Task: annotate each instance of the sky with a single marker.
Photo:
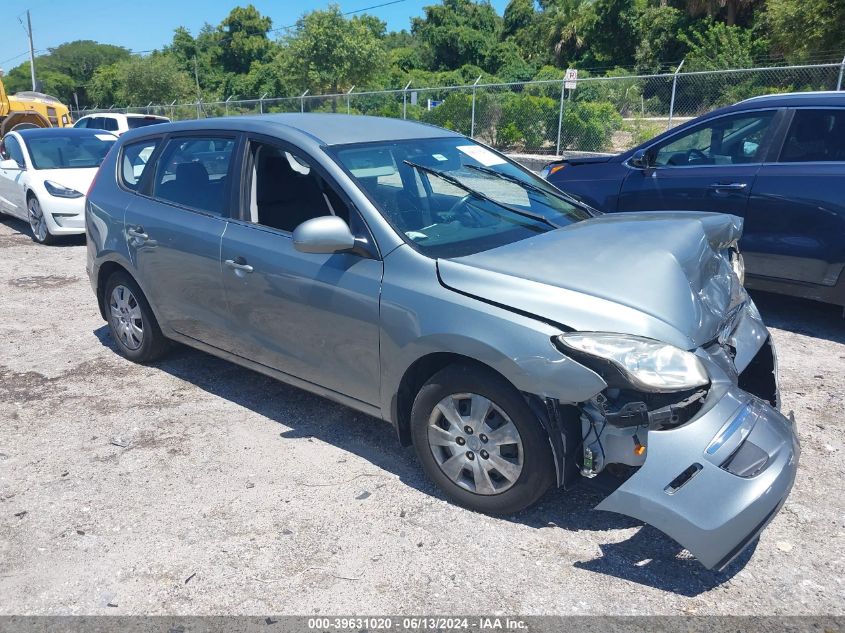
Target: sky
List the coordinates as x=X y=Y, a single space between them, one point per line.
x=146 y=25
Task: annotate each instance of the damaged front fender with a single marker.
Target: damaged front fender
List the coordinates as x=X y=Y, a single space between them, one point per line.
x=686 y=487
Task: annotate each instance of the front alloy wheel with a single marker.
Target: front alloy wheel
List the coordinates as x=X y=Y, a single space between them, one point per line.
x=37 y=222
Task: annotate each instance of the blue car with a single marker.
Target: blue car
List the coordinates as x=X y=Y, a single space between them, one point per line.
x=776 y=161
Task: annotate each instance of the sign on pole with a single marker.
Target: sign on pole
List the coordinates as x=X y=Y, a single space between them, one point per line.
x=570 y=79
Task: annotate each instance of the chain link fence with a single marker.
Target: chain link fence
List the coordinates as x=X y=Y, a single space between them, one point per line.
x=602 y=114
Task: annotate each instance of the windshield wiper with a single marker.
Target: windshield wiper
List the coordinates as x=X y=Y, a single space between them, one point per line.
x=456 y=182
x=527 y=185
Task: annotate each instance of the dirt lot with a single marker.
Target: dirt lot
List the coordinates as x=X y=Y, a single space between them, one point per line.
x=193 y=486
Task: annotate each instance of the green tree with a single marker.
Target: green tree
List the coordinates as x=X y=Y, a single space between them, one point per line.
x=458 y=32
x=565 y=24
x=66 y=69
x=719 y=46
x=244 y=39
x=328 y=52
x=140 y=80
x=806 y=29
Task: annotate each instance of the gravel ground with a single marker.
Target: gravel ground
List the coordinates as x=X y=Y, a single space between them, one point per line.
x=193 y=486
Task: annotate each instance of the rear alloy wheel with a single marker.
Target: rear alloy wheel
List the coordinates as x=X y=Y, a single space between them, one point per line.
x=38 y=223
x=480 y=442
x=131 y=320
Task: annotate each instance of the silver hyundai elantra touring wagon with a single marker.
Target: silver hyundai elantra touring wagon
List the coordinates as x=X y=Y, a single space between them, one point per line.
x=519 y=339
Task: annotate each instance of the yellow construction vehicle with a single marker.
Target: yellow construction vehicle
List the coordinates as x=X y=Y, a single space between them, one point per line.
x=30 y=109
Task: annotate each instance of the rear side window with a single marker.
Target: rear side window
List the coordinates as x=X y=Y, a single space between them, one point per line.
x=134 y=161
x=136 y=122
x=192 y=172
x=110 y=125
x=815 y=135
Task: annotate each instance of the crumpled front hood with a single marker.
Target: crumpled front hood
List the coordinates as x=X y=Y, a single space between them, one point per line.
x=664 y=275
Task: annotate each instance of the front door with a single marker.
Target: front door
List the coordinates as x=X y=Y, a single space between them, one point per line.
x=709 y=167
x=312 y=316
x=12 y=196
x=174 y=232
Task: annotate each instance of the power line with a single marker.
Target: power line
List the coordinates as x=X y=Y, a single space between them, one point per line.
x=375 y=6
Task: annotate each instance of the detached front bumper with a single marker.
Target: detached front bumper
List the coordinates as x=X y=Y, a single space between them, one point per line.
x=686 y=488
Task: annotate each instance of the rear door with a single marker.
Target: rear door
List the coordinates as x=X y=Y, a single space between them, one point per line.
x=173 y=230
x=708 y=167
x=795 y=229
x=312 y=316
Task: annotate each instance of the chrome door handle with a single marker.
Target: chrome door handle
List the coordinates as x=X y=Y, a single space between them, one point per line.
x=138 y=233
x=731 y=186
x=236 y=265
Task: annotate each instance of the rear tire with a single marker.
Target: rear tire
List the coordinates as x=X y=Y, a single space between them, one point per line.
x=132 y=324
x=480 y=442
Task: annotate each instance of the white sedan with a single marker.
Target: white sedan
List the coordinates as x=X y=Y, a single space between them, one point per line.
x=44 y=175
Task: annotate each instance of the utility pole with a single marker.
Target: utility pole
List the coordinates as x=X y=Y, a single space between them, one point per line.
x=31 y=49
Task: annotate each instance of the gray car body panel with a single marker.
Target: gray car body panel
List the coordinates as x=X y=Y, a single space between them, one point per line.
x=664 y=276
x=715 y=514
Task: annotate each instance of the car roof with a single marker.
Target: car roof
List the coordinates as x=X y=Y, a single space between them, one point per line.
x=323 y=128
x=824 y=98
x=47 y=132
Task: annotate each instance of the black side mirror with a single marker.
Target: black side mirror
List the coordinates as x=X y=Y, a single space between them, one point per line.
x=640 y=160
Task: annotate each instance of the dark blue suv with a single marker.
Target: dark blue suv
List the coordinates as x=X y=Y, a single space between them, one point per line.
x=777 y=161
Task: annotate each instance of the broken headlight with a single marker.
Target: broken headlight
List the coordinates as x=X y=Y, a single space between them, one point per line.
x=648 y=364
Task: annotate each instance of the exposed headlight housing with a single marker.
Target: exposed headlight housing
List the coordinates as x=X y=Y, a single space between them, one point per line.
x=60 y=191
x=738 y=265
x=648 y=364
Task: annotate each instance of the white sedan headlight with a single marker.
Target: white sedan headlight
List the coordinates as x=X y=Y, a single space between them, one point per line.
x=60 y=191
x=648 y=364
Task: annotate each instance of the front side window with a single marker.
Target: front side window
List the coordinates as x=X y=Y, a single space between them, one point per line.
x=725 y=141
x=192 y=172
x=134 y=161
x=12 y=150
x=83 y=123
x=286 y=191
x=62 y=150
x=451 y=196
x=815 y=135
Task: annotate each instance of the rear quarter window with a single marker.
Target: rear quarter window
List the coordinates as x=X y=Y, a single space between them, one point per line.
x=134 y=162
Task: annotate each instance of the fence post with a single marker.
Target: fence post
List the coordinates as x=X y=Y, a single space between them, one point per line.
x=173 y=109
x=560 y=115
x=674 y=87
x=405 y=100
x=149 y=105
x=261 y=104
x=302 y=101
x=226 y=105
x=199 y=106
x=348 y=92
x=472 y=121
x=841 y=71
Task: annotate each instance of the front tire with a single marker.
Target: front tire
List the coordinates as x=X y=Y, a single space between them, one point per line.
x=479 y=441
x=132 y=323
x=38 y=223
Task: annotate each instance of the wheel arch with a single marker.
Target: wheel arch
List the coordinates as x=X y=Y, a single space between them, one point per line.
x=415 y=376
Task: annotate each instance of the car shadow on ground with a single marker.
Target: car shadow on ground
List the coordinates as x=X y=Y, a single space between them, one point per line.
x=647 y=557
x=820 y=320
x=23 y=230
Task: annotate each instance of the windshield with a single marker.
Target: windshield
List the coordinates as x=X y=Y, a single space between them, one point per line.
x=69 y=151
x=134 y=122
x=452 y=197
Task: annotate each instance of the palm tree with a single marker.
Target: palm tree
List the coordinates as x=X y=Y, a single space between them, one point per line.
x=565 y=22
x=712 y=7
